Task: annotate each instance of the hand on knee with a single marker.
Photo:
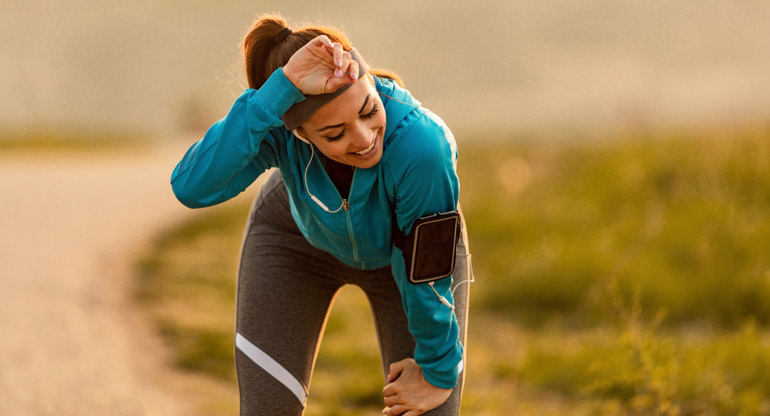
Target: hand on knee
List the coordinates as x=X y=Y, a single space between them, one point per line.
x=408 y=392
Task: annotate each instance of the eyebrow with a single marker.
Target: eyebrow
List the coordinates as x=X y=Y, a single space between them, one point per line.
x=366 y=100
x=333 y=126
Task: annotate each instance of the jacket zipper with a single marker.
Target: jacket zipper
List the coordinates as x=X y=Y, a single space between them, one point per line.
x=346 y=208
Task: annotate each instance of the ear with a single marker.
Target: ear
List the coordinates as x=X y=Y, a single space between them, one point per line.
x=299 y=135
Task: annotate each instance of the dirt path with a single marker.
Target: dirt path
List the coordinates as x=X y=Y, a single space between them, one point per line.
x=71 y=343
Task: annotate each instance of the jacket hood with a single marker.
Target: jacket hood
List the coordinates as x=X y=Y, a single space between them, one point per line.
x=398 y=103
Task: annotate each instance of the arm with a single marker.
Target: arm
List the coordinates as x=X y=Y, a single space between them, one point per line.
x=428 y=184
x=238 y=148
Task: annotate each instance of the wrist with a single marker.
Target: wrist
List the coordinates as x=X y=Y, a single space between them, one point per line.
x=445 y=380
x=278 y=94
x=291 y=75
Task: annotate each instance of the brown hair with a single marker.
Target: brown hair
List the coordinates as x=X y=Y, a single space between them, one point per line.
x=262 y=56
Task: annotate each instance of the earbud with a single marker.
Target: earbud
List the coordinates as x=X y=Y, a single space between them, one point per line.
x=297 y=135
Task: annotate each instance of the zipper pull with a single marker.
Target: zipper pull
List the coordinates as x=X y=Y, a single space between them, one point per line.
x=345 y=204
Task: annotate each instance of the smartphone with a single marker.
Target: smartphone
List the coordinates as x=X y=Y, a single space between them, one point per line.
x=429 y=252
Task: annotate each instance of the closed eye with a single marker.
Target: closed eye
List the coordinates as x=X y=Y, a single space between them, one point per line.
x=367 y=116
x=337 y=137
x=370 y=114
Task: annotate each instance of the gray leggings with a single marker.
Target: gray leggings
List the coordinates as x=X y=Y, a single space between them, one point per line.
x=285 y=290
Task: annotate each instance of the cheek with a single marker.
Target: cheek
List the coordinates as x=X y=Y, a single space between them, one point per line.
x=336 y=148
x=380 y=120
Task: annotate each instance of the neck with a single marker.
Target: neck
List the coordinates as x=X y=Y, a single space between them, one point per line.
x=341 y=175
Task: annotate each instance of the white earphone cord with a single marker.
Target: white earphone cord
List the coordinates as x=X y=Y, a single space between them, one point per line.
x=321 y=204
x=313 y=197
x=470 y=273
x=471 y=280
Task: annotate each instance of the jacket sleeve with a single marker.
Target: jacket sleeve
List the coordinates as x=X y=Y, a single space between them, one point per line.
x=428 y=184
x=237 y=148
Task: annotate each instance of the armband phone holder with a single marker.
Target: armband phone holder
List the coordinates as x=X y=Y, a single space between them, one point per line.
x=429 y=249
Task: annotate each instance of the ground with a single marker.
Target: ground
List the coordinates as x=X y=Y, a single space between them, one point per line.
x=73 y=342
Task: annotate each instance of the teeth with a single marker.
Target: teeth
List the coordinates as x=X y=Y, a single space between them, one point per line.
x=365 y=151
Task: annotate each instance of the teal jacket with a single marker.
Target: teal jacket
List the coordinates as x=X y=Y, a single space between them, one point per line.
x=415 y=177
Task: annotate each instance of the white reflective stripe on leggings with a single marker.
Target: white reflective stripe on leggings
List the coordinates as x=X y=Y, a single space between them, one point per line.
x=272 y=367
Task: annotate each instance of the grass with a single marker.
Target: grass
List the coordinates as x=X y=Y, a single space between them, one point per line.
x=661 y=218
x=625 y=277
x=67 y=140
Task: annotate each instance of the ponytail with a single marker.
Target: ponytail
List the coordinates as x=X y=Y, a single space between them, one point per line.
x=270 y=43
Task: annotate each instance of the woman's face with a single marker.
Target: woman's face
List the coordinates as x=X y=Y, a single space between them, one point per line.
x=350 y=128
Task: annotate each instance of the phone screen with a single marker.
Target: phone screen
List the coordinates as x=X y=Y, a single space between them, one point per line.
x=434 y=252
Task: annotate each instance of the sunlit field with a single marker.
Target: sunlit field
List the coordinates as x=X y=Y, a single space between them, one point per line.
x=623 y=276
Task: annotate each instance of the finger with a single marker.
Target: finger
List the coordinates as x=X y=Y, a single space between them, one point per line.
x=341 y=69
x=337 y=55
x=392 y=400
x=333 y=84
x=395 y=410
x=393 y=374
x=395 y=370
x=323 y=40
x=389 y=390
x=353 y=70
x=412 y=413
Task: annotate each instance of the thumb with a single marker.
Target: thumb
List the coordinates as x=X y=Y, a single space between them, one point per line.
x=395 y=370
x=334 y=83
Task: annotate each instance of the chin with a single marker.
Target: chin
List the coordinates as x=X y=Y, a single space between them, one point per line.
x=365 y=163
x=370 y=163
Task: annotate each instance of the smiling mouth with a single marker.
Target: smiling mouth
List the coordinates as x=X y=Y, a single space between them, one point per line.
x=367 y=150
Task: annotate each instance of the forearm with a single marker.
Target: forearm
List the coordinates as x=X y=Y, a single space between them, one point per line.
x=236 y=149
x=433 y=325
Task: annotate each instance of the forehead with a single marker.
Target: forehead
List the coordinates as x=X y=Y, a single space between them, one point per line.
x=344 y=107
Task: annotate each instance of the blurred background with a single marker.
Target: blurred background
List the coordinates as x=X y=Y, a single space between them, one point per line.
x=614 y=161
x=493 y=65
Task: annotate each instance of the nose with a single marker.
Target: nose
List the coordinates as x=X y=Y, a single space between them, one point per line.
x=361 y=137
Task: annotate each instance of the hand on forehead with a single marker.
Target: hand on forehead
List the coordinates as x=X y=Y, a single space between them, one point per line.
x=301 y=111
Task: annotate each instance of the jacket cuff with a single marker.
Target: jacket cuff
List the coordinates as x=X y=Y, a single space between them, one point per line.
x=443 y=379
x=278 y=94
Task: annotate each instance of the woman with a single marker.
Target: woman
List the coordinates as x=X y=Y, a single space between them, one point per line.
x=360 y=160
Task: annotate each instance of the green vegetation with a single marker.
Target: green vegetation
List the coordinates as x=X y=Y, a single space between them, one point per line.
x=613 y=278
x=679 y=222
x=67 y=140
